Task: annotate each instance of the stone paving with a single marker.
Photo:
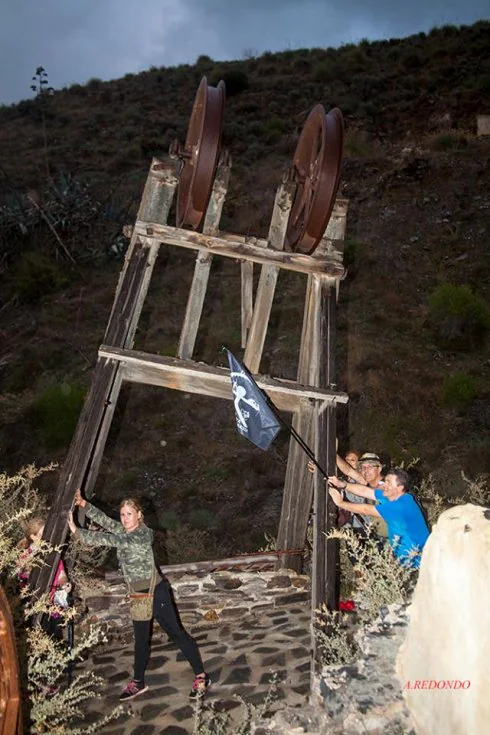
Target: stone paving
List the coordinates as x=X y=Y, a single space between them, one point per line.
x=242 y=657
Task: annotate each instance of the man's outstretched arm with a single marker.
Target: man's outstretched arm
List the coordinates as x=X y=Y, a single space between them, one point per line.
x=349 y=471
x=364 y=491
x=360 y=508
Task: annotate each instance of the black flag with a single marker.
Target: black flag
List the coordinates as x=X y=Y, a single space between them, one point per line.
x=255 y=419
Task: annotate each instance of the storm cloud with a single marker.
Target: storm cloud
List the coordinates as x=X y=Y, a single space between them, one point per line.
x=110 y=38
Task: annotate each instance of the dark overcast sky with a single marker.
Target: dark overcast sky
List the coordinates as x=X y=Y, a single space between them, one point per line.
x=79 y=39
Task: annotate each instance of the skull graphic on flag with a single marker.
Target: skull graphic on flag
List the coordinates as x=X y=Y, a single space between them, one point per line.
x=255 y=419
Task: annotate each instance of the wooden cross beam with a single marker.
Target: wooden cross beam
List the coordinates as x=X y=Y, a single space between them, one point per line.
x=206 y=380
x=239 y=249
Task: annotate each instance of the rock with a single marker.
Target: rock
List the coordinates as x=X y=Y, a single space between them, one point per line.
x=365 y=696
x=282 y=580
x=96 y=604
x=227 y=582
x=447 y=646
x=291 y=598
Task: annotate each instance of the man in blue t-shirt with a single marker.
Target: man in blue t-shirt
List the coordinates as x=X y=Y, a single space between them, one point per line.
x=407 y=527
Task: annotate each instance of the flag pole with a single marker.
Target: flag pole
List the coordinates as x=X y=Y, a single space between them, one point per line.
x=241 y=392
x=292 y=431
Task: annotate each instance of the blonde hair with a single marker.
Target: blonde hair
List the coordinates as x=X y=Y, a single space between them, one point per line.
x=30 y=528
x=135 y=504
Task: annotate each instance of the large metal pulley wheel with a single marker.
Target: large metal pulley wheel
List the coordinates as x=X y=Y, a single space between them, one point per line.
x=200 y=154
x=316 y=170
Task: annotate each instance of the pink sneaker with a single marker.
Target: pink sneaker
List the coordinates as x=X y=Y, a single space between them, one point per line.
x=199 y=686
x=132 y=690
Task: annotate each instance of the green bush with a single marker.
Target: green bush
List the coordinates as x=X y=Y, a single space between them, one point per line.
x=57 y=410
x=95 y=83
x=273 y=129
x=204 y=61
x=352 y=252
x=236 y=81
x=325 y=71
x=169 y=520
x=204 y=520
x=459 y=318
x=37 y=275
x=412 y=60
x=41 y=659
x=484 y=84
x=448 y=142
x=458 y=390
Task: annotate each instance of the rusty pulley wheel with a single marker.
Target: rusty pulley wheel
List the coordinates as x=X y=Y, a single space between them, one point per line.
x=200 y=154
x=316 y=169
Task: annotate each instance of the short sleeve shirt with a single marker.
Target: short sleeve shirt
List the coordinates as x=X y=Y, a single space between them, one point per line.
x=407 y=527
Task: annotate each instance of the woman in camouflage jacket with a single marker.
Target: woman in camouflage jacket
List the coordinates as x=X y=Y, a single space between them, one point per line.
x=133 y=541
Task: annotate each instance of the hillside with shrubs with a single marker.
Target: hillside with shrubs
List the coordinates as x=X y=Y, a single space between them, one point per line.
x=413 y=316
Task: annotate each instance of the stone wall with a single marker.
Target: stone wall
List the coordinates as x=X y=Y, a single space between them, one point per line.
x=203 y=597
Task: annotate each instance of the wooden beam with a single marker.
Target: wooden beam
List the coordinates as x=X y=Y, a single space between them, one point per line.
x=316 y=367
x=298 y=262
x=318 y=557
x=156 y=201
x=247 y=285
x=86 y=448
x=101 y=439
x=326 y=441
x=192 y=377
x=155 y=204
x=297 y=489
x=268 y=278
x=244 y=560
x=202 y=267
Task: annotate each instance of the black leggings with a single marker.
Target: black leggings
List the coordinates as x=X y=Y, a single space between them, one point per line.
x=166 y=614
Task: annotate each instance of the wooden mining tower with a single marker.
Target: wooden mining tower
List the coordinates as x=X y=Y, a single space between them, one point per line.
x=305 y=235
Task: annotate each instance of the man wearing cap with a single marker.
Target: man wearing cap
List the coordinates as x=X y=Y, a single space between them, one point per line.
x=370 y=472
x=407 y=527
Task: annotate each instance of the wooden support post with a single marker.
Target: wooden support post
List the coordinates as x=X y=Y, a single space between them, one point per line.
x=155 y=204
x=316 y=367
x=268 y=278
x=325 y=579
x=202 y=268
x=157 y=199
x=247 y=281
x=298 y=488
x=327 y=437
x=318 y=557
x=86 y=449
x=98 y=452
